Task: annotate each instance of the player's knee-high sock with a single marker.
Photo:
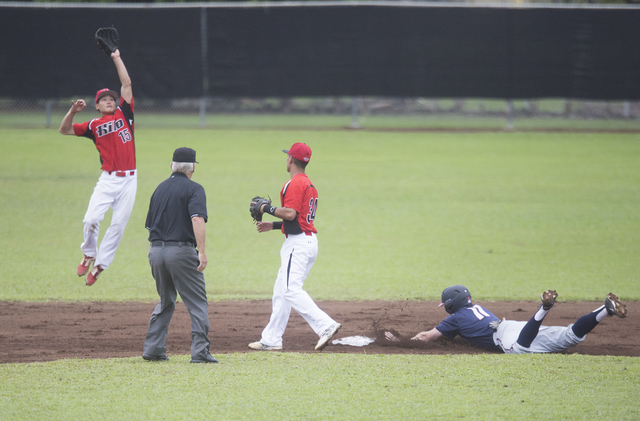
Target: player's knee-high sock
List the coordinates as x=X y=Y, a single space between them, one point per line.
x=586 y=323
x=531 y=329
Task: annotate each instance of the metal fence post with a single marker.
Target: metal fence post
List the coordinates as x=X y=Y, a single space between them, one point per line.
x=205 y=67
x=509 y=114
x=48 y=111
x=354 y=114
x=627 y=109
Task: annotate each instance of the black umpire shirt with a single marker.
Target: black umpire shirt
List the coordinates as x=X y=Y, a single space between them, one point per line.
x=173 y=204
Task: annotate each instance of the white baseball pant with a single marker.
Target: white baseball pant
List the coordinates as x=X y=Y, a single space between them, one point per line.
x=549 y=339
x=297 y=256
x=118 y=193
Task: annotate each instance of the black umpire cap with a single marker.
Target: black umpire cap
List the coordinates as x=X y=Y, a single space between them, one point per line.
x=184 y=155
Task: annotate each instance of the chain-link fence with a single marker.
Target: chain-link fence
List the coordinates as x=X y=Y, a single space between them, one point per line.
x=344 y=112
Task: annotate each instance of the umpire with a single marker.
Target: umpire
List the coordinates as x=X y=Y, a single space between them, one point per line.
x=176 y=218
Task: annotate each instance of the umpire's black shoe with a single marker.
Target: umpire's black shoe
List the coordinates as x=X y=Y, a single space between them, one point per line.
x=155 y=357
x=206 y=358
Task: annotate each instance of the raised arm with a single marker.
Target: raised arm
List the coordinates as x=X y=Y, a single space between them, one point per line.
x=66 y=127
x=125 y=91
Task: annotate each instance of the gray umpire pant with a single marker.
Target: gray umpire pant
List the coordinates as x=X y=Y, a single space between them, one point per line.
x=175 y=270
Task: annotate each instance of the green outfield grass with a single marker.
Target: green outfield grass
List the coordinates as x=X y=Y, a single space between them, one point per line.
x=401 y=215
x=326 y=386
x=443 y=120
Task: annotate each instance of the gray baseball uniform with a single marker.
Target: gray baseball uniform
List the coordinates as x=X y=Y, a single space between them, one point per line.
x=481 y=328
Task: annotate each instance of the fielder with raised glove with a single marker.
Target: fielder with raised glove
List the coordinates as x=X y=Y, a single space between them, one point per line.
x=107 y=40
x=113 y=135
x=255 y=209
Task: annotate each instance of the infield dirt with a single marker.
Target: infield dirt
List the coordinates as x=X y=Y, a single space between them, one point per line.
x=33 y=332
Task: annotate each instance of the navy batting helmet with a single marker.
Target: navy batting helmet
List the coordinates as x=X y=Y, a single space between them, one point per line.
x=455 y=297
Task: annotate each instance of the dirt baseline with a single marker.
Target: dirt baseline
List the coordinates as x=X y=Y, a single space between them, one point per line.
x=33 y=332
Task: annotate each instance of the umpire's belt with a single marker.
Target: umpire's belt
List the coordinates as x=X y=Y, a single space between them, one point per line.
x=171 y=244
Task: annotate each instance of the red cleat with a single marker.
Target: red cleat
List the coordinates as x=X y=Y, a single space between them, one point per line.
x=85 y=265
x=92 y=277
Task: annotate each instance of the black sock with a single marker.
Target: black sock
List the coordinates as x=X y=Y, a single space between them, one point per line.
x=529 y=332
x=585 y=324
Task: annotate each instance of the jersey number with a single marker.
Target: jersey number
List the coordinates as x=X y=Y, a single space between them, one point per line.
x=124 y=135
x=313 y=205
x=479 y=312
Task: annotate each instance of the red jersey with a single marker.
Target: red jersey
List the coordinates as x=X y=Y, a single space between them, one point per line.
x=113 y=137
x=299 y=194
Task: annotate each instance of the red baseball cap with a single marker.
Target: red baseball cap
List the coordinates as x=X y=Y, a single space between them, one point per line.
x=105 y=92
x=300 y=151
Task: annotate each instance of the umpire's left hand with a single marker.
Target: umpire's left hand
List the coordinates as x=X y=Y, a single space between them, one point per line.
x=203 y=261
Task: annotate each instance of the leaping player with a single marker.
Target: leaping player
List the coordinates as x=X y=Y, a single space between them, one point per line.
x=112 y=133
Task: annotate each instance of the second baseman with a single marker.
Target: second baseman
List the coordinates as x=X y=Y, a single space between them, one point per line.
x=299 y=199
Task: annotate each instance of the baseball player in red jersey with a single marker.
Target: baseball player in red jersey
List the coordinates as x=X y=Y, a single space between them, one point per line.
x=112 y=133
x=299 y=199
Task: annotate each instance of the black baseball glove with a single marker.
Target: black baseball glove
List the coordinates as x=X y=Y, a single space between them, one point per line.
x=256 y=204
x=107 y=40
